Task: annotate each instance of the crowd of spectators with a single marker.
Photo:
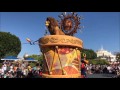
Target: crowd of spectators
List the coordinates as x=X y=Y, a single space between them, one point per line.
x=103 y=69
x=20 y=70
x=25 y=70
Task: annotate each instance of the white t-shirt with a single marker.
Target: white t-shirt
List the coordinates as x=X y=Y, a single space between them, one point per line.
x=11 y=68
x=4 y=67
x=2 y=71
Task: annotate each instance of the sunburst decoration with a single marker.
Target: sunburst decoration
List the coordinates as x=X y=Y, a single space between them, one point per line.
x=70 y=23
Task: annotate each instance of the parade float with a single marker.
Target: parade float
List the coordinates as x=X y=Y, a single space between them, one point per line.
x=60 y=49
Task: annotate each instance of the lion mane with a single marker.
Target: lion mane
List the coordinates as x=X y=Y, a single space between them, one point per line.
x=53 y=27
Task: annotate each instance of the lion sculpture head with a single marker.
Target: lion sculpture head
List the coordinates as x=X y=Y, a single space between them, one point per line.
x=53 y=26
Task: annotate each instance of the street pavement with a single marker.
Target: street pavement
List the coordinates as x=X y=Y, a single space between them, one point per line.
x=100 y=75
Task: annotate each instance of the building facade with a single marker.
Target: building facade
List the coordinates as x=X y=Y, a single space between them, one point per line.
x=104 y=54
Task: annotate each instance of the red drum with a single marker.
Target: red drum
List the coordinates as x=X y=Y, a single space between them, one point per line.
x=62 y=56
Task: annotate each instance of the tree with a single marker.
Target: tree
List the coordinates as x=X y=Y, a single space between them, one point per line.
x=90 y=54
x=99 y=62
x=37 y=57
x=9 y=44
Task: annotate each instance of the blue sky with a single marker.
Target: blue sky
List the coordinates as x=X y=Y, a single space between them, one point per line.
x=100 y=28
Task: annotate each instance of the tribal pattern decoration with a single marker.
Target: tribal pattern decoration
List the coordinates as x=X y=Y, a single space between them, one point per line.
x=61 y=61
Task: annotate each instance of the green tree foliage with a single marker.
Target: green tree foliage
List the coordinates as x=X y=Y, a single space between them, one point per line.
x=9 y=44
x=100 y=62
x=37 y=57
x=90 y=54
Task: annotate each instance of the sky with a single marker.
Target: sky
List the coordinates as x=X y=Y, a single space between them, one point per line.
x=100 y=29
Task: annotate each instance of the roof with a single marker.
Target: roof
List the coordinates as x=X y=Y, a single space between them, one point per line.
x=10 y=58
x=30 y=59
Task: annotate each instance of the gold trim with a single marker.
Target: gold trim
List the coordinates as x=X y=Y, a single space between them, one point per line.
x=61 y=76
x=60 y=40
x=84 y=55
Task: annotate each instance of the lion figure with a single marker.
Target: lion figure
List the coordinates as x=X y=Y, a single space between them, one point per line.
x=67 y=24
x=53 y=26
